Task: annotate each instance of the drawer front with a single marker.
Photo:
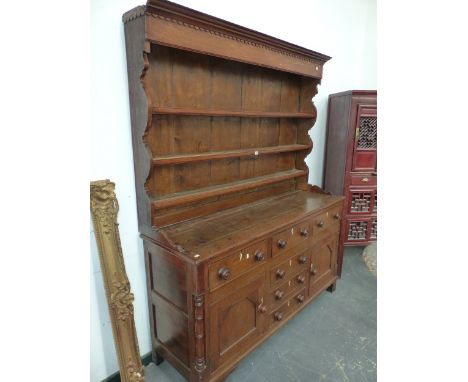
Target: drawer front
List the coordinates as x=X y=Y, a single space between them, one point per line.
x=289 y=238
x=329 y=220
x=282 y=293
x=236 y=264
x=363 y=180
x=286 y=269
x=289 y=307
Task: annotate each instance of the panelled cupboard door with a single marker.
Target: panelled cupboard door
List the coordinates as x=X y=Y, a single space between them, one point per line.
x=365 y=141
x=323 y=265
x=237 y=321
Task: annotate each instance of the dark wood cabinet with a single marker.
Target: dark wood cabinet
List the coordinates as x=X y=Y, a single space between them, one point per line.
x=236 y=241
x=351 y=164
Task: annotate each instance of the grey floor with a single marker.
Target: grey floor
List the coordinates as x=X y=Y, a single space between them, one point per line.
x=333 y=339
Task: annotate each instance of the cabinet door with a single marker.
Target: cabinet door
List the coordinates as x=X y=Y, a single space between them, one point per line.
x=323 y=265
x=365 y=142
x=237 y=321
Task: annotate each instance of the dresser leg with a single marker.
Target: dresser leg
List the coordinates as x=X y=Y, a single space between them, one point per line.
x=157 y=359
x=332 y=287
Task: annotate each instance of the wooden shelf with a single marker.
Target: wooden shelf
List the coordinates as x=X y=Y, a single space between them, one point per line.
x=252 y=152
x=227 y=188
x=230 y=113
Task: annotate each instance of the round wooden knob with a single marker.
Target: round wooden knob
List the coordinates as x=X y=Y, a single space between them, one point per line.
x=282 y=243
x=278 y=316
x=313 y=270
x=301 y=279
x=300 y=298
x=259 y=256
x=304 y=232
x=262 y=308
x=337 y=216
x=279 y=294
x=280 y=273
x=224 y=273
x=321 y=223
x=302 y=259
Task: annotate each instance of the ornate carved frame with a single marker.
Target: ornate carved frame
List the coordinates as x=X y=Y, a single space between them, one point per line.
x=104 y=209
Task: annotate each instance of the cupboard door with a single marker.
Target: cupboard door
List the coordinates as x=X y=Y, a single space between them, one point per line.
x=365 y=142
x=237 y=321
x=323 y=265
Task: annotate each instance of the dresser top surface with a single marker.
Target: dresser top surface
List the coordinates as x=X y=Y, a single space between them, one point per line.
x=229 y=229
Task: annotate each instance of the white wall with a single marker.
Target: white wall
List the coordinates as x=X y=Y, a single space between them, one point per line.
x=343 y=29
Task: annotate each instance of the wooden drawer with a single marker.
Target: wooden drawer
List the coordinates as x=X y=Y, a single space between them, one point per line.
x=283 y=271
x=236 y=264
x=326 y=221
x=281 y=293
x=289 y=238
x=289 y=307
x=363 y=180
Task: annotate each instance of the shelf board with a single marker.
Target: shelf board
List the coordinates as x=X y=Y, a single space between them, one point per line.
x=239 y=153
x=224 y=189
x=230 y=113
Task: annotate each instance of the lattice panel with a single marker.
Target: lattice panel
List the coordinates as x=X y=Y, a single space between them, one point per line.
x=367 y=138
x=373 y=232
x=360 y=201
x=357 y=230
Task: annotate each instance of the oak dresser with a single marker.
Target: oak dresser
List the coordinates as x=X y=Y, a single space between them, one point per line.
x=236 y=242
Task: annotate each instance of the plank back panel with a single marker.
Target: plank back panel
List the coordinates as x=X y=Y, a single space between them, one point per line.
x=187 y=81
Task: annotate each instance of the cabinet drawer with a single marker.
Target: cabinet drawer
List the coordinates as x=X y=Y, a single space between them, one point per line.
x=286 y=269
x=363 y=180
x=285 y=310
x=281 y=293
x=289 y=238
x=326 y=220
x=236 y=264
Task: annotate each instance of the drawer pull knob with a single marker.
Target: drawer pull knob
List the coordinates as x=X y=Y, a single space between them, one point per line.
x=224 y=273
x=262 y=308
x=301 y=279
x=282 y=243
x=337 y=216
x=313 y=270
x=304 y=232
x=279 y=294
x=280 y=273
x=259 y=256
x=278 y=316
x=365 y=180
x=302 y=259
x=321 y=223
x=300 y=298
